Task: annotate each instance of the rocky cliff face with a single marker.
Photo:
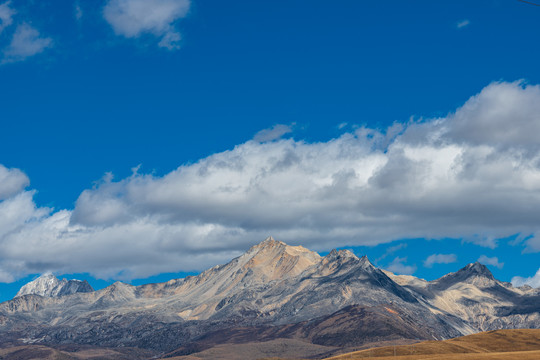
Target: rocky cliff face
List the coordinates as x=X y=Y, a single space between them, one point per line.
x=272 y=291
x=48 y=285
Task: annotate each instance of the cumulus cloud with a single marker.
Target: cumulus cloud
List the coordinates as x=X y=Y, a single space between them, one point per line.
x=6 y=15
x=274 y=133
x=440 y=259
x=12 y=181
x=132 y=18
x=26 y=42
x=451 y=177
x=503 y=117
x=533 y=281
x=493 y=261
x=398 y=266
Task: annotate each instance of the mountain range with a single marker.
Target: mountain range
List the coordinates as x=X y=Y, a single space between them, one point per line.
x=273 y=293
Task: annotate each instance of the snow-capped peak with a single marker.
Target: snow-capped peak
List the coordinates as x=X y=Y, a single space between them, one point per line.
x=48 y=285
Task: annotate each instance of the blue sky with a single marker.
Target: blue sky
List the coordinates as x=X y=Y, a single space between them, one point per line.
x=132 y=139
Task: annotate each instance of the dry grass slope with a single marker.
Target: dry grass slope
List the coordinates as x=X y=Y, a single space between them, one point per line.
x=33 y=352
x=291 y=348
x=499 y=344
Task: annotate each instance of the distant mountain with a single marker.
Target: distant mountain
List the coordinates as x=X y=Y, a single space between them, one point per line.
x=48 y=285
x=473 y=295
x=473 y=274
x=273 y=291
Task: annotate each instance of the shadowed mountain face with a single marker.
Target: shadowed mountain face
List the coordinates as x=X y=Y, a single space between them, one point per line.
x=273 y=291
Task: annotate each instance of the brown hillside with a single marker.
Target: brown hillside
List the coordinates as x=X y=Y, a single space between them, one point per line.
x=72 y=352
x=498 y=344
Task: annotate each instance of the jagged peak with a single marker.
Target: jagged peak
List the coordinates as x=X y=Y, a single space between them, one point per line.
x=42 y=285
x=49 y=285
x=50 y=276
x=364 y=258
x=272 y=259
x=339 y=261
x=270 y=245
x=473 y=273
x=46 y=275
x=270 y=240
x=477 y=268
x=267 y=243
x=365 y=261
x=342 y=254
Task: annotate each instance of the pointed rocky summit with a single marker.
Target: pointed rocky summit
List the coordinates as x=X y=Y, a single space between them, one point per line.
x=273 y=259
x=474 y=273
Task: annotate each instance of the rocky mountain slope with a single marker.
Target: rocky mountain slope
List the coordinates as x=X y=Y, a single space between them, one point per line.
x=273 y=291
x=475 y=296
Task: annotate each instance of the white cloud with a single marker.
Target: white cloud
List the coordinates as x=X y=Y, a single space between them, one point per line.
x=533 y=281
x=391 y=250
x=12 y=181
x=485 y=240
x=132 y=18
x=398 y=266
x=493 y=261
x=6 y=277
x=502 y=117
x=463 y=23
x=171 y=40
x=533 y=243
x=26 y=42
x=6 y=15
x=440 y=178
x=440 y=259
x=274 y=133
x=18 y=211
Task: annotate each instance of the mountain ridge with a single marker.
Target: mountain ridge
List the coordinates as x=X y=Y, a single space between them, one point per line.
x=275 y=290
